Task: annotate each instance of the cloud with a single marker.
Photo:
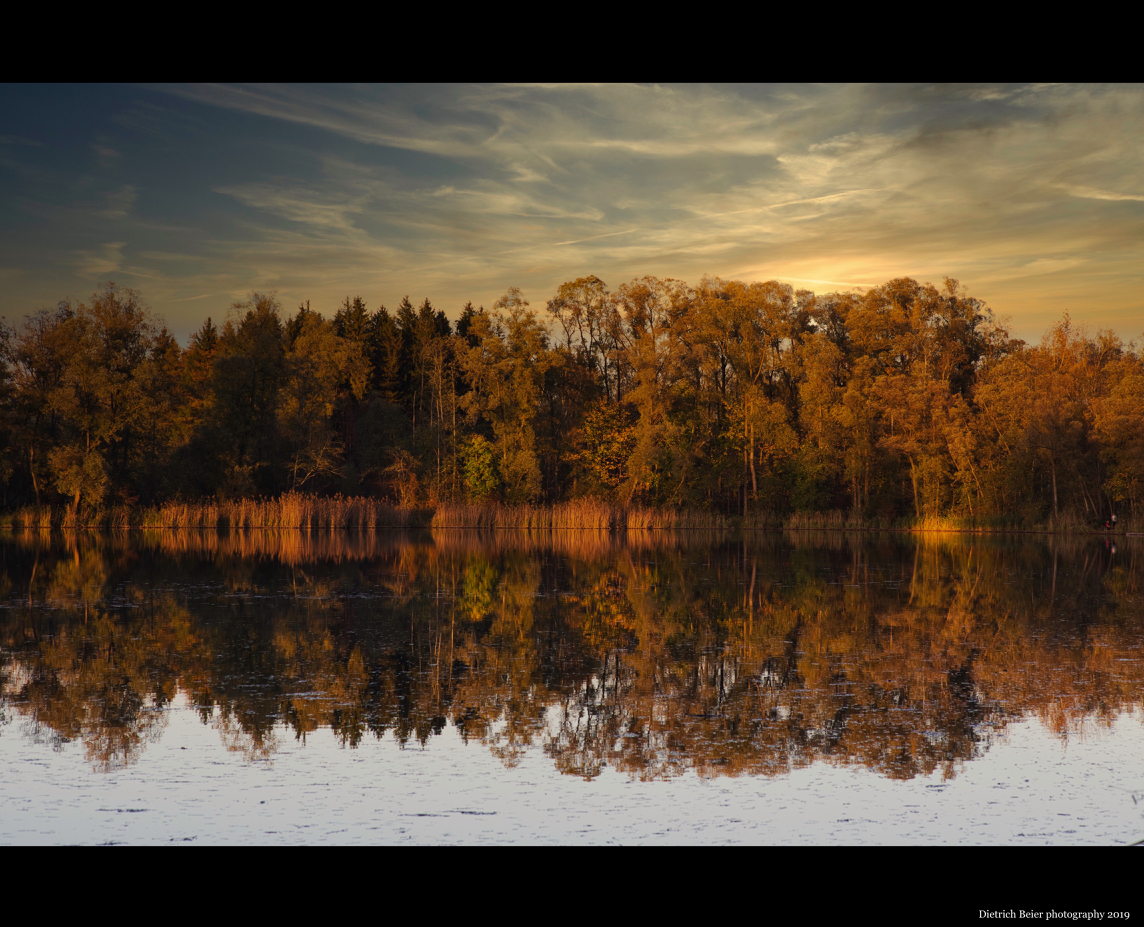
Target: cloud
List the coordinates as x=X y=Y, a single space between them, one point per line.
x=106 y=154
x=102 y=263
x=1091 y=193
x=457 y=192
x=118 y=203
x=1038 y=267
x=316 y=210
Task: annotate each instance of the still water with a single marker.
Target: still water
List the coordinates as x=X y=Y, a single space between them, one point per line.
x=570 y=687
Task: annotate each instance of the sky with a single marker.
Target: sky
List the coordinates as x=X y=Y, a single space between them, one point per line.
x=1031 y=196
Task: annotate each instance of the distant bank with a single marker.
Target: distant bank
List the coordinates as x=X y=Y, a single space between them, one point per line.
x=297 y=511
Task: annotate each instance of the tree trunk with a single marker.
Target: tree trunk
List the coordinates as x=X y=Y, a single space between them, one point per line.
x=746 y=454
x=32 y=470
x=754 y=479
x=914 y=481
x=1056 y=512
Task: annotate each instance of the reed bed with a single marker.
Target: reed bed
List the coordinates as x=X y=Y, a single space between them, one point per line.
x=647 y=519
x=293 y=511
x=835 y=520
x=33 y=516
x=762 y=520
x=582 y=544
x=1065 y=523
x=969 y=523
x=579 y=514
x=298 y=547
x=295 y=547
x=586 y=544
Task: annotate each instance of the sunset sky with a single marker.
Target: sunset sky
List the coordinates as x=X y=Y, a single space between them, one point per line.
x=1033 y=196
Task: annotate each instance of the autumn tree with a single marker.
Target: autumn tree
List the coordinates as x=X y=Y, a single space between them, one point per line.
x=505 y=370
x=247 y=377
x=1119 y=423
x=657 y=314
x=80 y=400
x=317 y=362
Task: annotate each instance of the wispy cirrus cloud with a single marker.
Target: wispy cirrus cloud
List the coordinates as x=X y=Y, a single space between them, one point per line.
x=1091 y=193
x=118 y=203
x=101 y=263
x=1029 y=194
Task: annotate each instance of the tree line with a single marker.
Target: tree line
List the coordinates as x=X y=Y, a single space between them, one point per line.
x=904 y=401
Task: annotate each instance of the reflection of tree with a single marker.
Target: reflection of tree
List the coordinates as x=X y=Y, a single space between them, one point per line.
x=101 y=678
x=731 y=658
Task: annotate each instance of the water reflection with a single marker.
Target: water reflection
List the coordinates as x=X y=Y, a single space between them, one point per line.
x=652 y=654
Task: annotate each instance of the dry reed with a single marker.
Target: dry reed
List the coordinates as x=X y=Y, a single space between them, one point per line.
x=300 y=511
x=295 y=510
x=33 y=516
x=836 y=520
x=292 y=510
x=580 y=513
x=645 y=519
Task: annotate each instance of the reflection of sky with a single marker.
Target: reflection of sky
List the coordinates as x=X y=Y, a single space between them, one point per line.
x=1026 y=789
x=1031 y=196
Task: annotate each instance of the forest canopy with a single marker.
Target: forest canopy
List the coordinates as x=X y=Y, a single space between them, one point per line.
x=903 y=401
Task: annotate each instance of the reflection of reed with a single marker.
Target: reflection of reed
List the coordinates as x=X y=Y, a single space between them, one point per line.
x=580 y=514
x=470 y=542
x=300 y=547
x=296 y=547
x=291 y=547
x=582 y=544
x=810 y=538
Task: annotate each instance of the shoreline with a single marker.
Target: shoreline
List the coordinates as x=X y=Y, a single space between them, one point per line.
x=299 y=512
x=724 y=529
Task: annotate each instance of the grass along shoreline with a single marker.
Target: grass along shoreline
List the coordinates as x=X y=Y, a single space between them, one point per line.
x=305 y=512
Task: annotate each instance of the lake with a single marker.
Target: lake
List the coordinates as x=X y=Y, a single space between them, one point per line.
x=570 y=687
